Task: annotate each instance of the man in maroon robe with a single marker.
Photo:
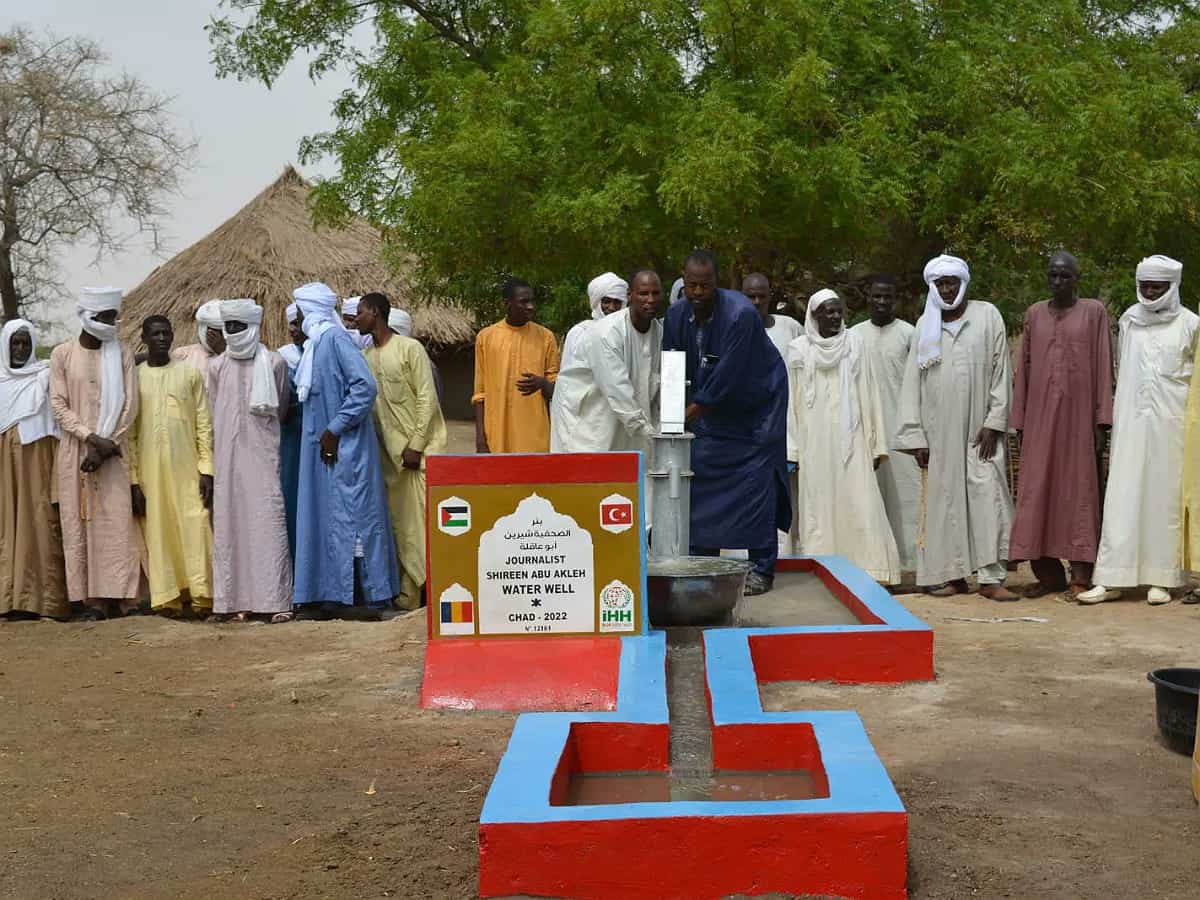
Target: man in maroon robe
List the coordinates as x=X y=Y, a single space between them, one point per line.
x=1062 y=406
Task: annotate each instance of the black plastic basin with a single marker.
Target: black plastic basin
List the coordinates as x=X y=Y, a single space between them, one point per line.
x=1176 y=694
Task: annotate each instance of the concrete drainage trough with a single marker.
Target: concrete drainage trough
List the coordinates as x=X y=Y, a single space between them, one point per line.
x=707 y=795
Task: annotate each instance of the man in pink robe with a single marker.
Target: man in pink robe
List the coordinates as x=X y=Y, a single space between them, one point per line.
x=1062 y=404
x=94 y=395
x=248 y=396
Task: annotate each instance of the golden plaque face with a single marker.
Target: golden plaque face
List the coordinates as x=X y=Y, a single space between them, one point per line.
x=523 y=560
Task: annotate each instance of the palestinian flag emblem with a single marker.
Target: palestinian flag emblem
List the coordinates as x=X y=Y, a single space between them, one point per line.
x=454 y=516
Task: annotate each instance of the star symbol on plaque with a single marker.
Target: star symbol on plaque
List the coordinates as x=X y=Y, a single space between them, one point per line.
x=535 y=602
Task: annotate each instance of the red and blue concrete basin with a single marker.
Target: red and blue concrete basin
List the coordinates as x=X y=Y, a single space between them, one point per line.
x=843 y=833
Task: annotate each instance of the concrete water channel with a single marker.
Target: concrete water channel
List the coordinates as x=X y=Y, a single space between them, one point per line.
x=799 y=598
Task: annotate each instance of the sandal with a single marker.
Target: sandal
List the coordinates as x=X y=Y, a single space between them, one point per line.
x=91 y=614
x=283 y=617
x=239 y=617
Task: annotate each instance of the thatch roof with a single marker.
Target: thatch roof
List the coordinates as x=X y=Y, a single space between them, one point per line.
x=271 y=247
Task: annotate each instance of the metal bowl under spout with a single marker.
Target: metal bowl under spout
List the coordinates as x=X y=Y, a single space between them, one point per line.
x=694 y=590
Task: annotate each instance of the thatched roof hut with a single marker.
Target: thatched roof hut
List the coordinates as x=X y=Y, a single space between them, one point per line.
x=271 y=247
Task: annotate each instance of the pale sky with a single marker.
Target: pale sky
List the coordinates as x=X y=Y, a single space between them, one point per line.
x=246 y=133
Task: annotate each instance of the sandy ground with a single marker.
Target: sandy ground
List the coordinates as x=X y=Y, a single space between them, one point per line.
x=146 y=758
x=150 y=758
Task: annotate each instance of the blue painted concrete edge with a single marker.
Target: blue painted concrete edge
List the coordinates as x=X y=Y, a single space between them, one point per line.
x=520 y=792
x=872 y=594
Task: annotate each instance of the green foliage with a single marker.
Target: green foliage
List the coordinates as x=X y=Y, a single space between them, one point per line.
x=817 y=141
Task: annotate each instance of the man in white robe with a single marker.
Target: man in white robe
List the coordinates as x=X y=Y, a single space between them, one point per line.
x=954 y=407
x=886 y=341
x=625 y=352
x=577 y=410
x=782 y=330
x=836 y=432
x=1141 y=537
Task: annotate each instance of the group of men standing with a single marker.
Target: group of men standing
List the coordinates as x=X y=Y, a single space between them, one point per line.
x=943 y=395
x=267 y=482
x=603 y=395
x=895 y=435
x=239 y=480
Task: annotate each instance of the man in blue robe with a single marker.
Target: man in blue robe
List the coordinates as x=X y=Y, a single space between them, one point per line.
x=345 y=555
x=737 y=409
x=292 y=430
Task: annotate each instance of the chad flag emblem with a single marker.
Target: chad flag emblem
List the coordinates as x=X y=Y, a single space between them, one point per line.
x=456 y=611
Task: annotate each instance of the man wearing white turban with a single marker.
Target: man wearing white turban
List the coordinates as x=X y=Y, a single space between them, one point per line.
x=345 y=551
x=32 y=579
x=248 y=392
x=676 y=293
x=578 y=410
x=954 y=407
x=400 y=322
x=836 y=434
x=210 y=340
x=350 y=320
x=93 y=392
x=1144 y=508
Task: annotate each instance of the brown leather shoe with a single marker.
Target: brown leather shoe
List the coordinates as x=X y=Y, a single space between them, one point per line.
x=997 y=592
x=950 y=589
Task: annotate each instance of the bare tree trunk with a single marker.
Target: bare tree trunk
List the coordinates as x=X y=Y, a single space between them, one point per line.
x=8 y=284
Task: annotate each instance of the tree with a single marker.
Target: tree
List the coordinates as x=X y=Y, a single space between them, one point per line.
x=816 y=139
x=78 y=148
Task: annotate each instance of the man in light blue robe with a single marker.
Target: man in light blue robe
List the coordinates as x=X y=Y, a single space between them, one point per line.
x=345 y=555
x=737 y=408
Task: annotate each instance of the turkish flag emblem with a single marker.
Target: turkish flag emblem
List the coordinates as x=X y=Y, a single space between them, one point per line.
x=616 y=513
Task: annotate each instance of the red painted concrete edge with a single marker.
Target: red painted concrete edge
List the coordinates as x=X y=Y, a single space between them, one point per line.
x=618 y=747
x=532 y=468
x=497 y=673
x=847 y=657
x=777 y=746
x=654 y=859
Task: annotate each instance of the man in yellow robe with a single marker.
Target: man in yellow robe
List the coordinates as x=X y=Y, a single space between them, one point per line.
x=171 y=471
x=516 y=366
x=409 y=422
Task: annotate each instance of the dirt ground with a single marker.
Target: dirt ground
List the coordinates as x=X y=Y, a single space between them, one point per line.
x=146 y=758
x=149 y=758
